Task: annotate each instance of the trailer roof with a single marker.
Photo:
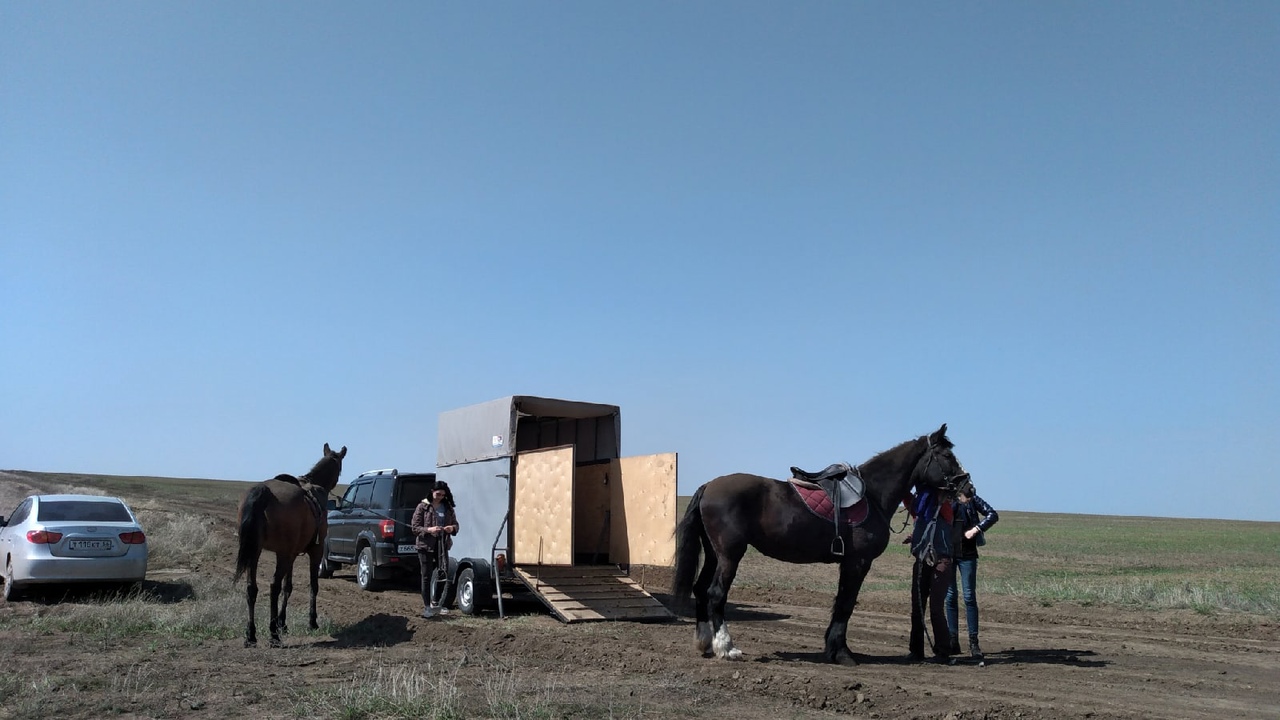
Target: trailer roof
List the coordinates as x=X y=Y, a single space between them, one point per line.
x=487 y=430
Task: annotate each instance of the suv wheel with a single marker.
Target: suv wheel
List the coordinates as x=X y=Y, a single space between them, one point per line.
x=327 y=566
x=364 y=569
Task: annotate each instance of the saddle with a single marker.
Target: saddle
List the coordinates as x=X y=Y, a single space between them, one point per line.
x=315 y=497
x=839 y=481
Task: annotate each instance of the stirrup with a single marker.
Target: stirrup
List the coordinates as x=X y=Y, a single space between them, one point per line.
x=837 y=546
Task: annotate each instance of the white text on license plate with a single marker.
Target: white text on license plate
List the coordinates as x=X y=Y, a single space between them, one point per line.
x=406 y=549
x=89 y=544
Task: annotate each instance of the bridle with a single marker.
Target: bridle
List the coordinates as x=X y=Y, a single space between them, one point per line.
x=950 y=483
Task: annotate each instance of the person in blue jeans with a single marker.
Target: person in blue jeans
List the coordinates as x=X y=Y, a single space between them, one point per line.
x=972 y=517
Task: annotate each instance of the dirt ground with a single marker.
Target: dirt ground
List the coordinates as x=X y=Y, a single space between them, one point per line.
x=1042 y=662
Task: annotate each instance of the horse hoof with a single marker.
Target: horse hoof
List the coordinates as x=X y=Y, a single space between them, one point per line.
x=251 y=643
x=733 y=654
x=845 y=659
x=275 y=643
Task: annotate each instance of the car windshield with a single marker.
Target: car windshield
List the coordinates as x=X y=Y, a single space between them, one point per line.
x=82 y=511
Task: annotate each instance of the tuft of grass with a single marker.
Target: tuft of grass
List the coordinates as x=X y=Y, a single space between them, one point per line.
x=380 y=690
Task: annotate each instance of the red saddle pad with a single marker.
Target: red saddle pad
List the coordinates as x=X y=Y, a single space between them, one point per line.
x=819 y=503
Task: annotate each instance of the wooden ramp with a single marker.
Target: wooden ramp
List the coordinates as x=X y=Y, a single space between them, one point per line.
x=594 y=592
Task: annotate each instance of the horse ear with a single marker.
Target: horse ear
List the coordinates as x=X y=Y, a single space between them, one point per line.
x=327 y=451
x=343 y=452
x=940 y=435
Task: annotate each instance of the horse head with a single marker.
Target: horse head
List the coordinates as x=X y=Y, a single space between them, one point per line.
x=938 y=468
x=327 y=469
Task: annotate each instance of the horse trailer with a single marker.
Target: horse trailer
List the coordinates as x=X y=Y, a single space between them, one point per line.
x=546 y=503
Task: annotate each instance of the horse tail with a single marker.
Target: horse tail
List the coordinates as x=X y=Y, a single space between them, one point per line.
x=688 y=547
x=252 y=516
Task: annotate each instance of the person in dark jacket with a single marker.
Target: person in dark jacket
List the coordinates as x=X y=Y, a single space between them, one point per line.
x=932 y=545
x=973 y=517
x=434 y=524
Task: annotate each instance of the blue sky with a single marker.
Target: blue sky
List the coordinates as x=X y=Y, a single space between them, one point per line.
x=774 y=233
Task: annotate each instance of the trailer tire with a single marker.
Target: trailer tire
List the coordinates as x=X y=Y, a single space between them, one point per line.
x=469 y=602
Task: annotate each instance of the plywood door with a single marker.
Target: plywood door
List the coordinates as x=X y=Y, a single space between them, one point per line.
x=643 y=513
x=542 y=518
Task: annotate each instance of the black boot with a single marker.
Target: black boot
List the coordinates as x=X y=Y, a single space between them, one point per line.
x=975 y=651
x=955 y=644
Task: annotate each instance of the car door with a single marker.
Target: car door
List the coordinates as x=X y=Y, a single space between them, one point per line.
x=344 y=524
x=12 y=526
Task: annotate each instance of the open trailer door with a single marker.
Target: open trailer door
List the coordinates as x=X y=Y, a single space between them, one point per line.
x=542 y=512
x=644 y=511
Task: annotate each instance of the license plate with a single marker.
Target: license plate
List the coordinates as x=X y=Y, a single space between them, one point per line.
x=406 y=549
x=89 y=544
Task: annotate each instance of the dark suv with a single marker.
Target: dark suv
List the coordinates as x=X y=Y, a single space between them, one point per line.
x=369 y=526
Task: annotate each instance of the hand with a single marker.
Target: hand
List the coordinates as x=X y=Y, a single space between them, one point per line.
x=433 y=530
x=972 y=532
x=451 y=528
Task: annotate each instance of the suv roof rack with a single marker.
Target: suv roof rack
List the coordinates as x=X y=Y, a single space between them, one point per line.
x=388 y=471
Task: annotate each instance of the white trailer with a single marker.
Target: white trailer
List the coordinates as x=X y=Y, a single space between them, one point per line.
x=547 y=504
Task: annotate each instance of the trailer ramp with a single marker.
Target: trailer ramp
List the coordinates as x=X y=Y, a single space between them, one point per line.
x=593 y=592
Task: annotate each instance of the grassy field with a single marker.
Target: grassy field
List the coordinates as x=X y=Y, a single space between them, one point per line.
x=1208 y=566
x=1155 y=563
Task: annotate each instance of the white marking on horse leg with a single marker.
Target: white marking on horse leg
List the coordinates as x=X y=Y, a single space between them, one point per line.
x=703 y=642
x=724 y=644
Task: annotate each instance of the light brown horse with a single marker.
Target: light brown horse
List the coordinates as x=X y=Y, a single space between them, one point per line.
x=287 y=516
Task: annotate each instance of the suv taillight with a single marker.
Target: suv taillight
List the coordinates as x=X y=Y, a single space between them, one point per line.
x=388 y=528
x=43 y=537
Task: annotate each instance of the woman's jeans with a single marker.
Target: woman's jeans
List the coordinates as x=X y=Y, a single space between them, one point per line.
x=966 y=575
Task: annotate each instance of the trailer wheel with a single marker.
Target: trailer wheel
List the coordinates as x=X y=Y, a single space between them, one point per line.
x=364 y=569
x=468 y=598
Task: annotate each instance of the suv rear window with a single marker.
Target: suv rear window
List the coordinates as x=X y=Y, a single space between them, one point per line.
x=82 y=511
x=414 y=489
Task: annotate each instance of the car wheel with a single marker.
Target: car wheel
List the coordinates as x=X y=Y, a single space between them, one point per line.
x=364 y=569
x=10 y=590
x=468 y=599
x=327 y=566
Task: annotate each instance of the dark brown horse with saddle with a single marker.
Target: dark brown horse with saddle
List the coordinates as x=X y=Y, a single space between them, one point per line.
x=288 y=516
x=731 y=512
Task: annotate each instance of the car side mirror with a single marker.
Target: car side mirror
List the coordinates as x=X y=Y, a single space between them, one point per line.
x=332 y=504
x=3 y=522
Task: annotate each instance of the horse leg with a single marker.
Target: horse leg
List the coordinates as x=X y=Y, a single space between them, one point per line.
x=251 y=598
x=852 y=572
x=284 y=573
x=315 y=583
x=717 y=594
x=701 y=615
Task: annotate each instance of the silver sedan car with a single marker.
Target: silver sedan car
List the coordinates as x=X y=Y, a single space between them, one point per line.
x=64 y=539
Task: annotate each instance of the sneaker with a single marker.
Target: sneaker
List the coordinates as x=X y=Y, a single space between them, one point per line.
x=429 y=612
